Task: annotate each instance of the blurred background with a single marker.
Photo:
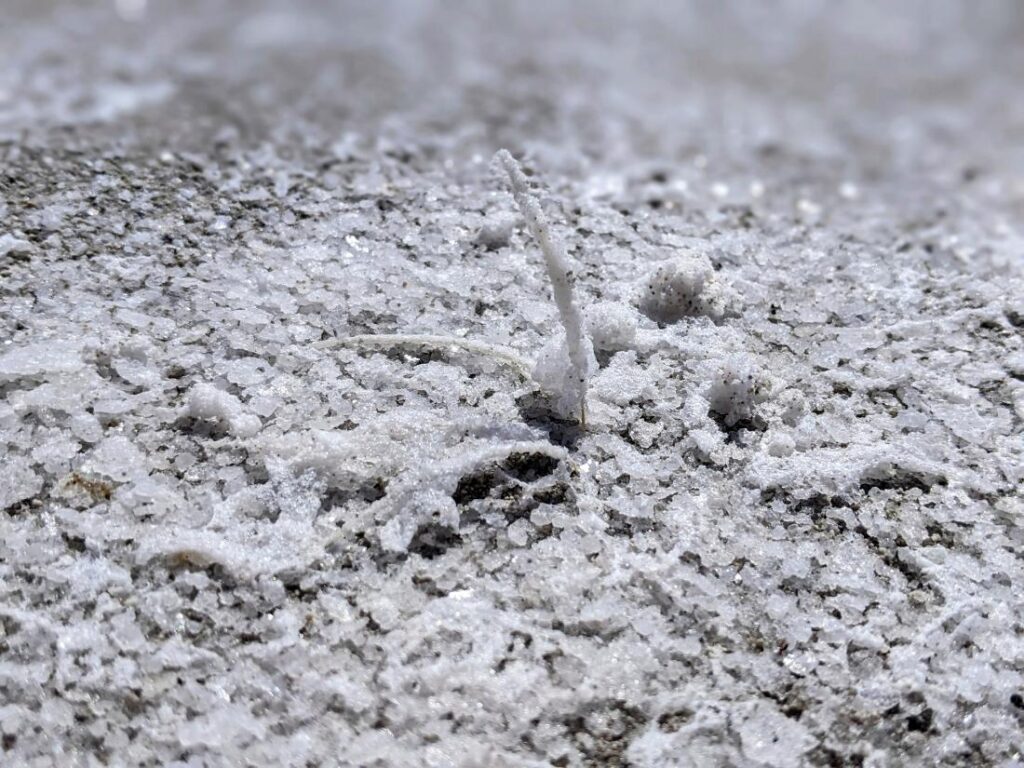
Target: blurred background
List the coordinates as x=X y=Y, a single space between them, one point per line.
x=890 y=84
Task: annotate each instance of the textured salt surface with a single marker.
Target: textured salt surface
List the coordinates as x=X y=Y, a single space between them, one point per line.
x=238 y=530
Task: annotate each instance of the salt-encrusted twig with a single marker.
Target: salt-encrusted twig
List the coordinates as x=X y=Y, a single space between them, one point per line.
x=559 y=273
x=391 y=340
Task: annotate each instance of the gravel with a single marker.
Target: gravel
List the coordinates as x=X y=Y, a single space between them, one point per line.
x=278 y=485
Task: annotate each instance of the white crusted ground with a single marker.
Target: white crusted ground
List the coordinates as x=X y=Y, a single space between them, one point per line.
x=239 y=529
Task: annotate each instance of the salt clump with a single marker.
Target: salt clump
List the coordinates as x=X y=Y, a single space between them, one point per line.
x=682 y=287
x=496 y=231
x=611 y=326
x=207 y=402
x=735 y=389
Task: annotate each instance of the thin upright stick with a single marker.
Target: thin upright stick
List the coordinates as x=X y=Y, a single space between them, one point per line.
x=557 y=264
